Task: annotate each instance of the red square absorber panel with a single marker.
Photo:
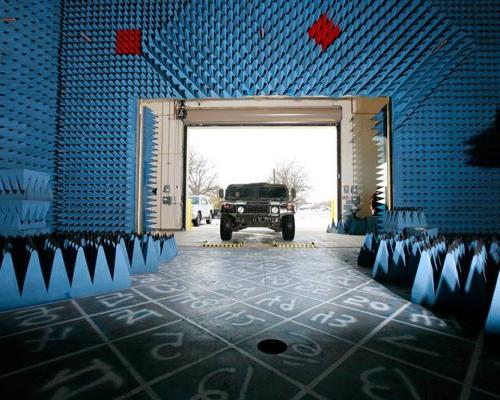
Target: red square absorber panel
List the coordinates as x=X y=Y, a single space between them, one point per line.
x=128 y=41
x=324 y=32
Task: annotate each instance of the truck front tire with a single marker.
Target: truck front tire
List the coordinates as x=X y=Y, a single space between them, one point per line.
x=226 y=228
x=288 y=227
x=197 y=220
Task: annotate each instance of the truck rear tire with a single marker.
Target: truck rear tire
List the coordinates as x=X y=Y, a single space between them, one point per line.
x=288 y=227
x=226 y=228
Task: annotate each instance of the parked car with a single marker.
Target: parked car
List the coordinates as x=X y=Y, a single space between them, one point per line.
x=202 y=209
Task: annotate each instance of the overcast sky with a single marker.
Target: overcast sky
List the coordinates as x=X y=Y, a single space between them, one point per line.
x=248 y=154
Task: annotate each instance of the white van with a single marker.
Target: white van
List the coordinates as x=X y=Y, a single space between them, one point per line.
x=201 y=209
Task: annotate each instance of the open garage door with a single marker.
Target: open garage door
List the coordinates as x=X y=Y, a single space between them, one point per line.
x=300 y=157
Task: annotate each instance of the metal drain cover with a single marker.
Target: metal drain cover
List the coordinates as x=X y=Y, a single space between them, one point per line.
x=272 y=346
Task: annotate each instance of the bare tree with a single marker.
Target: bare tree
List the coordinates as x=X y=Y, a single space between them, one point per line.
x=292 y=175
x=203 y=178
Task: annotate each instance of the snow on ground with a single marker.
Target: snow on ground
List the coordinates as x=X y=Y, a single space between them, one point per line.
x=315 y=219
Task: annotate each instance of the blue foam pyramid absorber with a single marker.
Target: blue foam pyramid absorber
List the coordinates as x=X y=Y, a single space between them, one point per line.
x=102 y=277
x=397 y=267
x=367 y=255
x=158 y=244
x=448 y=290
x=29 y=67
x=174 y=245
x=381 y=264
x=34 y=289
x=422 y=291
x=59 y=287
x=121 y=272
x=493 y=319
x=81 y=283
x=414 y=258
x=477 y=269
x=169 y=250
x=152 y=256
x=138 y=264
x=476 y=288
x=149 y=171
x=495 y=253
x=9 y=290
x=123 y=248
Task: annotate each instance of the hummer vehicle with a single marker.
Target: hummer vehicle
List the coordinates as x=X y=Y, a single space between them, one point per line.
x=257 y=205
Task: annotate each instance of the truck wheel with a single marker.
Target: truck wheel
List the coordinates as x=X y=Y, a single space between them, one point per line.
x=197 y=220
x=288 y=227
x=209 y=219
x=226 y=228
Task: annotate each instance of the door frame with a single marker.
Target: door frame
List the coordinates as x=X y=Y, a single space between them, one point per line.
x=344 y=135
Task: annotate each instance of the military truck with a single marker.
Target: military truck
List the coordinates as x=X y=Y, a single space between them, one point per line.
x=257 y=205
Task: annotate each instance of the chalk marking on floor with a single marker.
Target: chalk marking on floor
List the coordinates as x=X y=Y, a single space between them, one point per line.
x=351 y=351
x=118 y=354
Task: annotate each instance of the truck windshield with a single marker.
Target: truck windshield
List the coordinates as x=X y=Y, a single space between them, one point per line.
x=254 y=192
x=195 y=200
x=272 y=193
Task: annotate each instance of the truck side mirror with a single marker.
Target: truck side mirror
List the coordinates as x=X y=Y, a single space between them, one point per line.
x=221 y=193
x=294 y=193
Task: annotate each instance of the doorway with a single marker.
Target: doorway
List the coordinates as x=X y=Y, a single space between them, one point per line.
x=161 y=197
x=302 y=157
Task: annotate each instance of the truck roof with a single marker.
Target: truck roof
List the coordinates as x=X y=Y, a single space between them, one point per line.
x=259 y=184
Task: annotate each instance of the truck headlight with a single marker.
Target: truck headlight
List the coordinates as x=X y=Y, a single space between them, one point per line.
x=274 y=210
x=241 y=210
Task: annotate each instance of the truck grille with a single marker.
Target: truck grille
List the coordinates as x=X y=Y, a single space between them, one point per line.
x=256 y=209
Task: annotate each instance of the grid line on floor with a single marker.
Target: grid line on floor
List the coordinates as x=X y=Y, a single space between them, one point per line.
x=235 y=347
x=351 y=351
x=118 y=354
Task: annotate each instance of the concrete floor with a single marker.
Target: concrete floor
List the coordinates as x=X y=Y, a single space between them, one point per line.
x=191 y=332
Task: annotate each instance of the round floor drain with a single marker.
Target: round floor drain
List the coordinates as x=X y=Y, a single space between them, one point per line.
x=272 y=346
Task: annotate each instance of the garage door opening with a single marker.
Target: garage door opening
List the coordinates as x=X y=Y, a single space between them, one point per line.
x=302 y=157
x=355 y=155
